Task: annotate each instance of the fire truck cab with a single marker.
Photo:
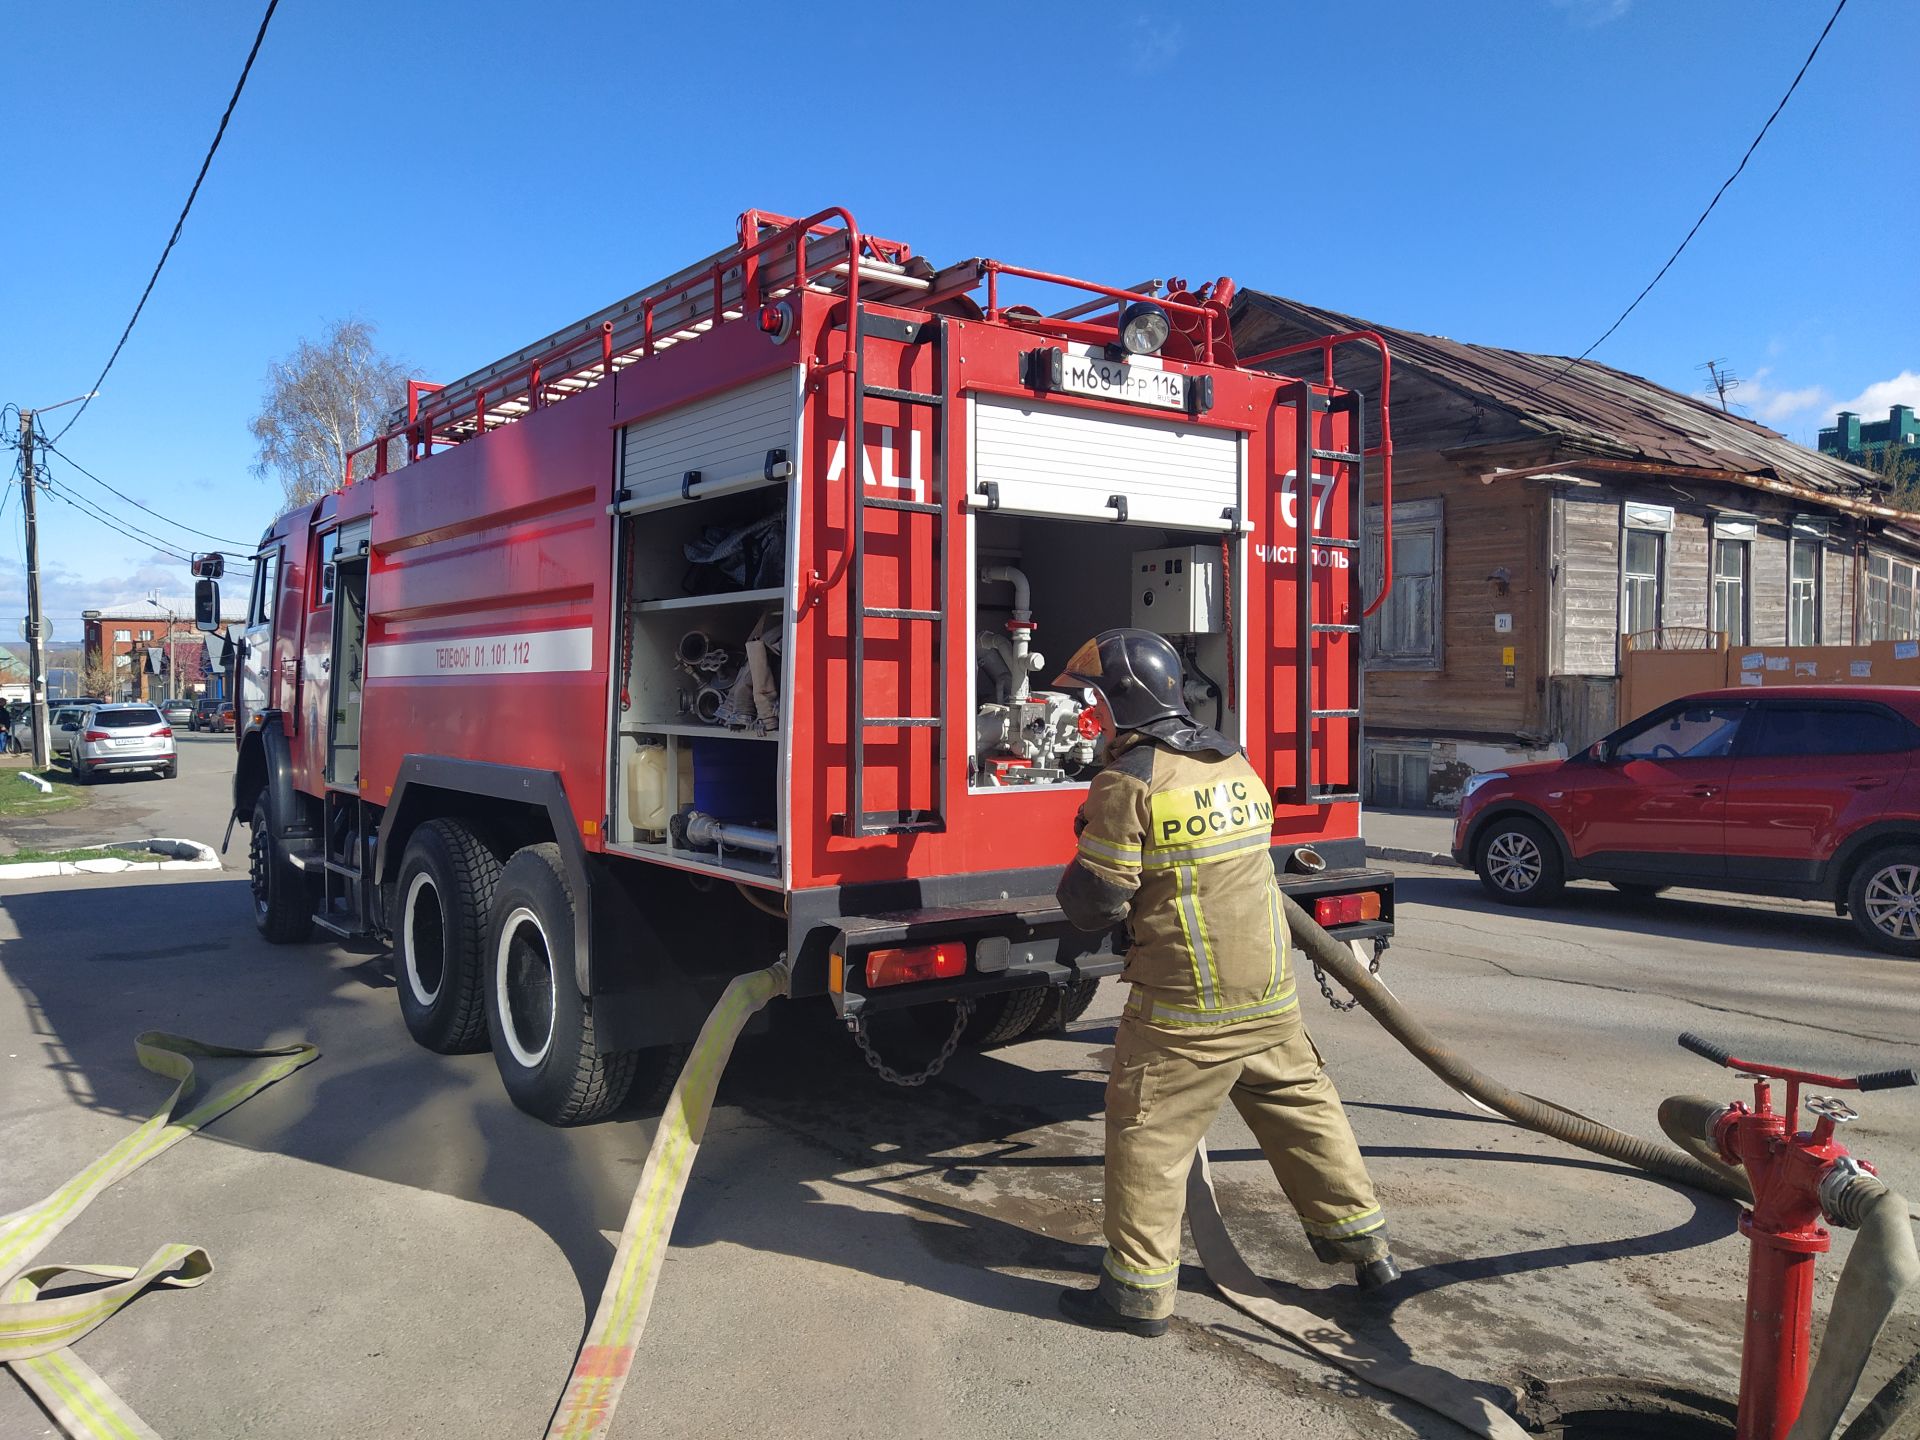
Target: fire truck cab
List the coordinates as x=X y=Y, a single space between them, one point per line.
x=716 y=627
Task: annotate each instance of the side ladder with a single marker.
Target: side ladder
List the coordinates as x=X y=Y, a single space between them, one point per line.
x=859 y=820
x=1309 y=697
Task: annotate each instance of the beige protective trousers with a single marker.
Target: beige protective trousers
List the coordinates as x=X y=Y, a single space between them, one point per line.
x=1166 y=1087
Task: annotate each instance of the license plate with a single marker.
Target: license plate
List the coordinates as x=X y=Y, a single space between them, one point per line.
x=1122 y=380
x=137 y=743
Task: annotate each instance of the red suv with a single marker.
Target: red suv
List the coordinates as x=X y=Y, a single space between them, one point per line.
x=1804 y=791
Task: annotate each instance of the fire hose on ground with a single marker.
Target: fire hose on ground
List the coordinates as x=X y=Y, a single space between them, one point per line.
x=35 y=1333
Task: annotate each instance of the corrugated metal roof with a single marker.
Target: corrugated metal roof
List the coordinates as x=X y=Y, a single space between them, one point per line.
x=1593 y=408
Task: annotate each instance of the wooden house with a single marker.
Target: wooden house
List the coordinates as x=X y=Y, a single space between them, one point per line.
x=1543 y=512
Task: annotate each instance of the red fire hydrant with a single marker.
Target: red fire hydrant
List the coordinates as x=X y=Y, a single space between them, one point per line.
x=1799 y=1177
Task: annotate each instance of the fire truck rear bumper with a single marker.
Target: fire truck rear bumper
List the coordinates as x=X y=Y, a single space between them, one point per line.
x=1012 y=944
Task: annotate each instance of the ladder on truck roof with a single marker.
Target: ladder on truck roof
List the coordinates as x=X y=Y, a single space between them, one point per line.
x=859 y=820
x=763 y=265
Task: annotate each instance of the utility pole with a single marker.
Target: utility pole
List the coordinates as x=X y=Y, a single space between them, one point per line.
x=36 y=632
x=36 y=621
x=172 y=616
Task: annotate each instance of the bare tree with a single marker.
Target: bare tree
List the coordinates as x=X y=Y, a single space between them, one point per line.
x=323 y=401
x=98 y=676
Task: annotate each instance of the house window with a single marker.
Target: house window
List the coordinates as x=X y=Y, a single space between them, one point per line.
x=123 y=636
x=1398 y=776
x=1890 y=599
x=1404 y=633
x=1730 y=561
x=146 y=634
x=1803 y=590
x=1640 y=568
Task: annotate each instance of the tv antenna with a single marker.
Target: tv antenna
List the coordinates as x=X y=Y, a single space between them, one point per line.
x=1724 y=380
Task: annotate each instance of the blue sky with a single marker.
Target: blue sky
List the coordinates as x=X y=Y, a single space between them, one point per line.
x=470 y=176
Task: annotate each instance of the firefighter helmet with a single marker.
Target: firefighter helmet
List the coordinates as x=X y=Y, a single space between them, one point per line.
x=1137 y=673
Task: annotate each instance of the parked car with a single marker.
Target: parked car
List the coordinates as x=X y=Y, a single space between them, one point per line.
x=177 y=712
x=107 y=739
x=1803 y=791
x=211 y=713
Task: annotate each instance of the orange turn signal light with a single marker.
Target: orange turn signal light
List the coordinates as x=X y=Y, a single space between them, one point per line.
x=916 y=962
x=1347 y=909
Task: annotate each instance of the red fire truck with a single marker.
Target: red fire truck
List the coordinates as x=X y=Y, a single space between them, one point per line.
x=711 y=628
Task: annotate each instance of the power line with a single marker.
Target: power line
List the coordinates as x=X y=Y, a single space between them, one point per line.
x=1710 y=204
x=179 y=224
x=87 y=509
x=206 y=535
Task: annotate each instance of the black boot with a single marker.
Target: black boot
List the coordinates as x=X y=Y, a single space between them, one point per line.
x=1089 y=1307
x=1376 y=1274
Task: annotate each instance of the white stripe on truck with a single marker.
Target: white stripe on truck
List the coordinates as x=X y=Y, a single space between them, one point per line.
x=521 y=652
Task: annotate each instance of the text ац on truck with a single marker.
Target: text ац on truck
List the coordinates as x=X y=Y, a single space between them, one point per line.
x=713 y=628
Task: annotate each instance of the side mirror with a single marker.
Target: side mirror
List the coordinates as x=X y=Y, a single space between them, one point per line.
x=1600 y=752
x=206 y=605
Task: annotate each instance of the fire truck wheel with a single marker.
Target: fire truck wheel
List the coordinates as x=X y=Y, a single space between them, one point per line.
x=542 y=1026
x=282 y=898
x=1063 y=1007
x=438 y=916
x=1518 y=862
x=996 y=1019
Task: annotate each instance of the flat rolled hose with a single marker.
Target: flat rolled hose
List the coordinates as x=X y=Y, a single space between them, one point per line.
x=1523 y=1110
x=1882 y=1266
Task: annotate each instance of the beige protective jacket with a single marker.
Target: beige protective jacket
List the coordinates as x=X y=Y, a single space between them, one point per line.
x=1174 y=841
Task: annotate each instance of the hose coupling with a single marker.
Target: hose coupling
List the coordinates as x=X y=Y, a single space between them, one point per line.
x=1847 y=1191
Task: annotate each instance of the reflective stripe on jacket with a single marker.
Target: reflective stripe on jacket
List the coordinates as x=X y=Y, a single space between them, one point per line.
x=1176 y=844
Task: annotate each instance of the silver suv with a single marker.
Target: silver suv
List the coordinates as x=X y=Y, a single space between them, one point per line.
x=102 y=739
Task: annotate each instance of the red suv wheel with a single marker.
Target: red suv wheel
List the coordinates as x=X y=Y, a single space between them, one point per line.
x=1519 y=862
x=1883 y=900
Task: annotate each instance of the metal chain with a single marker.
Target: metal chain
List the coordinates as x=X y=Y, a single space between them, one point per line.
x=1373 y=968
x=962 y=1011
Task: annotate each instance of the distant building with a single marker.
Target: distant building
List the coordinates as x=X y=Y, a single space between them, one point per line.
x=1851 y=440
x=133 y=641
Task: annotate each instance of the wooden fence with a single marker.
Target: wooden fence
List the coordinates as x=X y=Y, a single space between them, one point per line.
x=1650 y=677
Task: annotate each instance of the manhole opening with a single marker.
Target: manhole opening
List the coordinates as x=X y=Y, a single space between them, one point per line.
x=1623 y=1407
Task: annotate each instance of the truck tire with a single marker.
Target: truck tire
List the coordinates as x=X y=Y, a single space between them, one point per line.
x=1063 y=1007
x=542 y=1026
x=1883 y=900
x=282 y=898
x=441 y=903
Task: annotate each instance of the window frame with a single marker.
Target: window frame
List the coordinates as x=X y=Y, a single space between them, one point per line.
x=1804 y=542
x=1719 y=582
x=1409 y=517
x=1658 y=575
x=1665 y=713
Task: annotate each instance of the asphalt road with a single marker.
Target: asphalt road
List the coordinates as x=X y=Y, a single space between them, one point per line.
x=399 y=1251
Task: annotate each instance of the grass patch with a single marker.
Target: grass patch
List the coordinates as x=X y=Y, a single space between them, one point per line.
x=20 y=799
x=82 y=852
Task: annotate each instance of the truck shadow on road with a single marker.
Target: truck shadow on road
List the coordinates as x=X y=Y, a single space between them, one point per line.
x=983 y=1186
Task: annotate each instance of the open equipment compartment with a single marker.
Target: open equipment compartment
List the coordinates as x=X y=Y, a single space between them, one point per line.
x=1042 y=586
x=702 y=615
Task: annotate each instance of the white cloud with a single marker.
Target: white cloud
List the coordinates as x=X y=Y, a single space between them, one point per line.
x=65 y=593
x=1768 y=403
x=1873 y=402
x=1590 y=14
x=1154 y=44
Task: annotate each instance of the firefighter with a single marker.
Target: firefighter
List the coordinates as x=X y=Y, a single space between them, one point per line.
x=1173 y=841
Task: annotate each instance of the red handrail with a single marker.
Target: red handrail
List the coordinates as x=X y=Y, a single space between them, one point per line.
x=1205 y=312
x=1383 y=451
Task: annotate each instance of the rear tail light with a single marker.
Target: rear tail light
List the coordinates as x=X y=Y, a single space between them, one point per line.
x=165 y=732
x=1331 y=910
x=916 y=962
x=96 y=735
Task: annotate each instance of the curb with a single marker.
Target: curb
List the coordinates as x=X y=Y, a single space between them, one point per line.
x=182 y=855
x=45 y=788
x=1412 y=857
